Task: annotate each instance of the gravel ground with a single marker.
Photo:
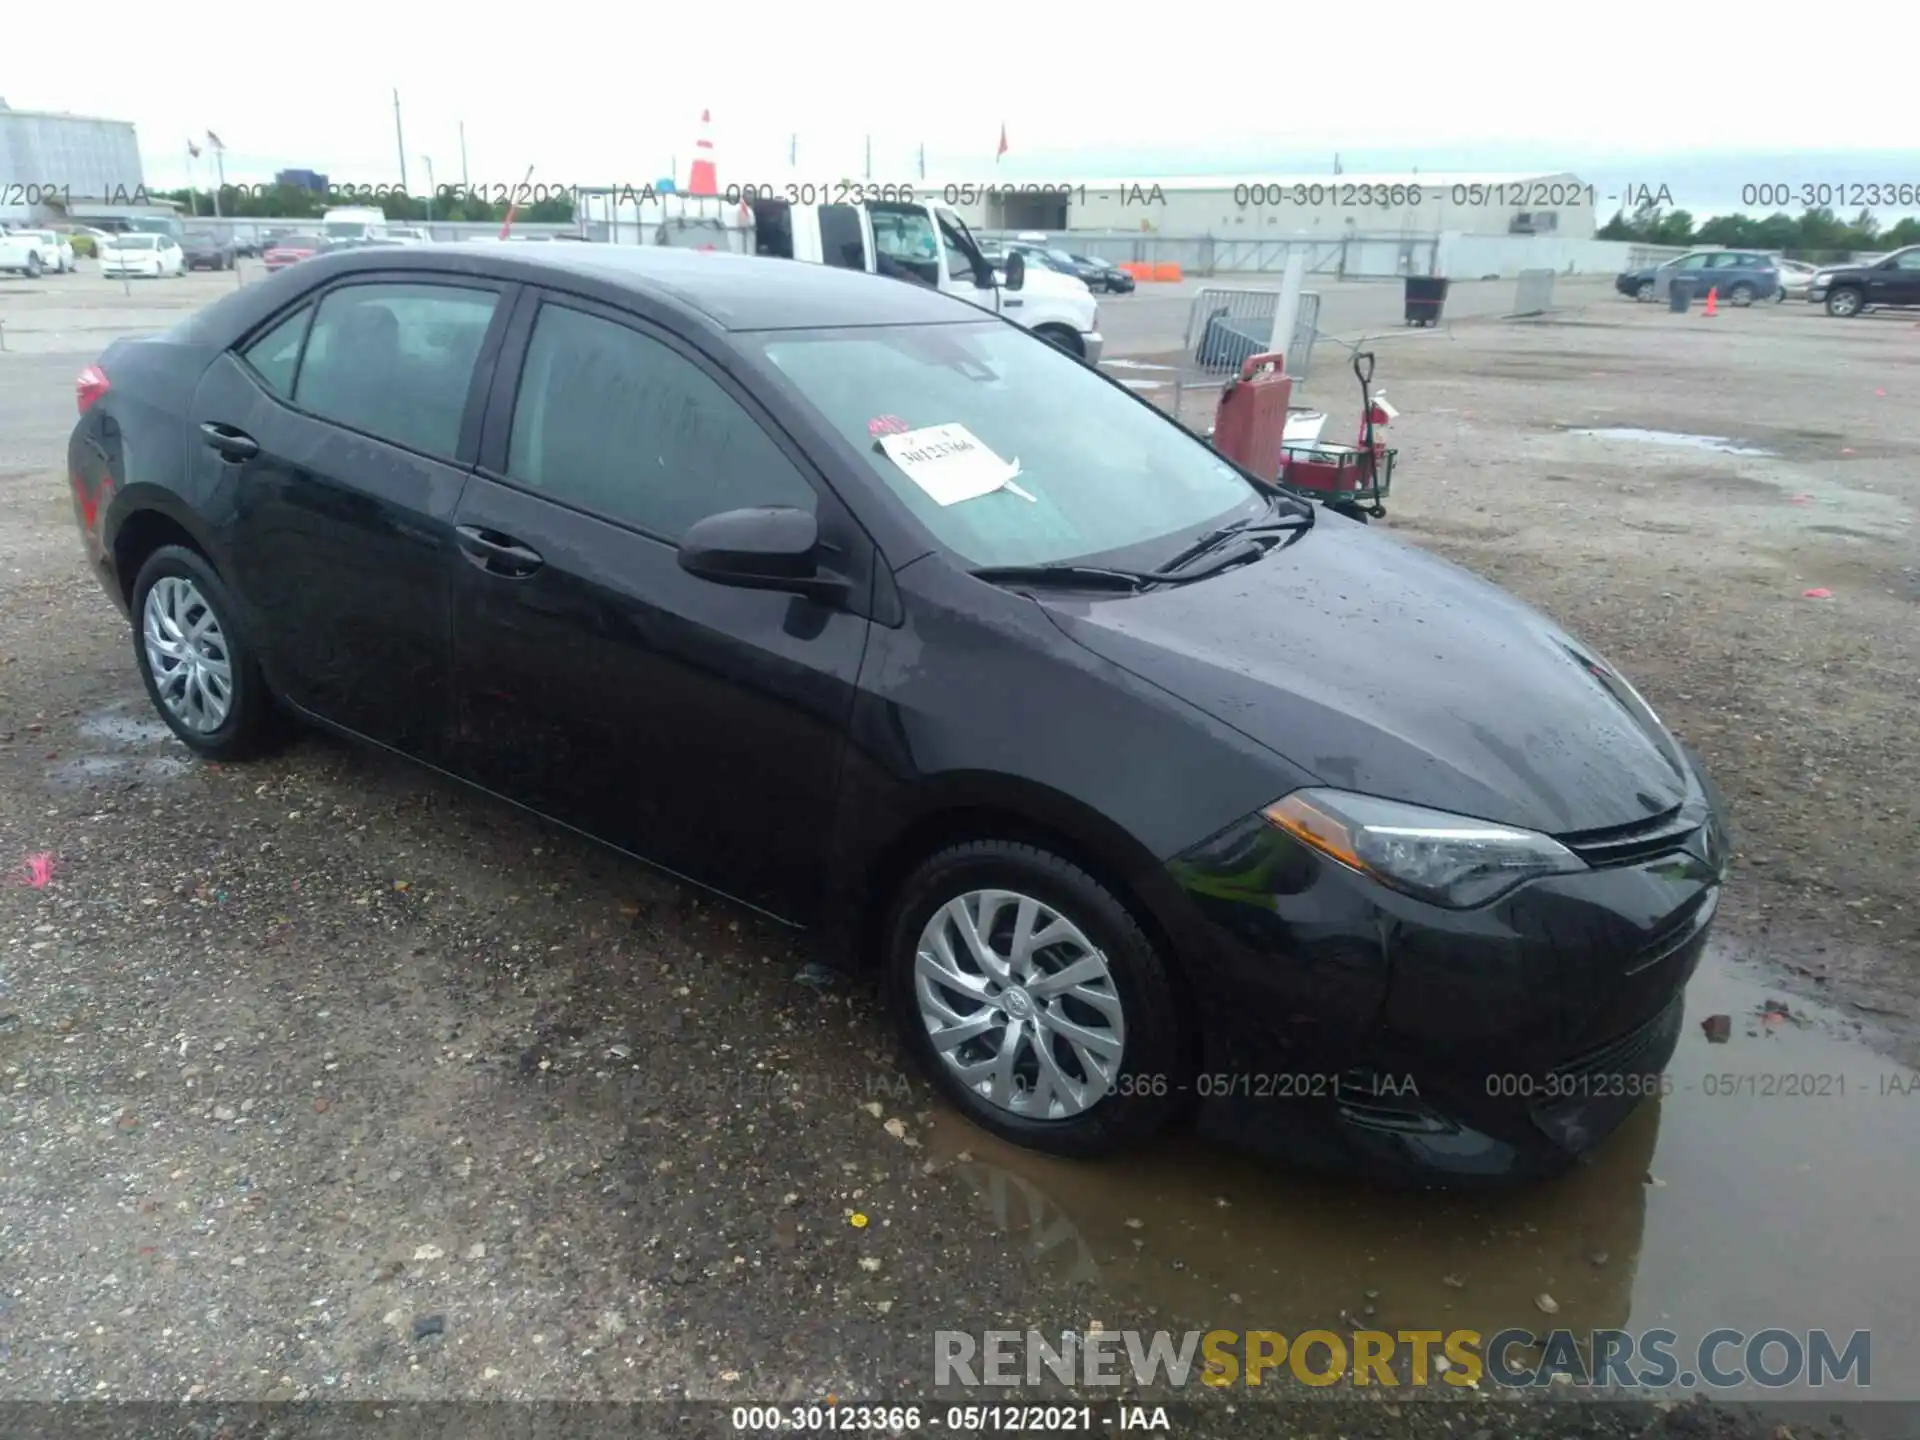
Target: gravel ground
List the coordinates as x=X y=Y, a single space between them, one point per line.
x=325 y=1080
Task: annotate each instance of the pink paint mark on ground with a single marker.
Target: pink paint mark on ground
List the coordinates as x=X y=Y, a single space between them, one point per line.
x=1816 y=594
x=36 y=870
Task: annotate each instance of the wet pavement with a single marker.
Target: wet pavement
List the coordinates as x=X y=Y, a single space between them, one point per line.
x=1772 y=1187
x=1717 y=444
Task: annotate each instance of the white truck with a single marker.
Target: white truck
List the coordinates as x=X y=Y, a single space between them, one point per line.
x=25 y=253
x=907 y=240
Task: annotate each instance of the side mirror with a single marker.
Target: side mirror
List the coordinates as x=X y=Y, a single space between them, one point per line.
x=772 y=547
x=1016 y=270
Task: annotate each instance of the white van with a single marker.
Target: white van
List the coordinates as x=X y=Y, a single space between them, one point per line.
x=353 y=222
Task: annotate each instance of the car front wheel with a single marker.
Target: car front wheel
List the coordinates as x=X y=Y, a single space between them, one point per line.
x=1033 y=998
x=1645 y=291
x=199 y=673
x=1843 y=303
x=1741 y=294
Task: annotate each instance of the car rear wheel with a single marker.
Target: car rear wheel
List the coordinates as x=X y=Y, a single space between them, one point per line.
x=1741 y=294
x=1033 y=998
x=1645 y=291
x=1843 y=303
x=199 y=673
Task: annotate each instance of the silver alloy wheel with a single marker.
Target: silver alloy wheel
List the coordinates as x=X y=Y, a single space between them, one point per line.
x=1843 y=303
x=1019 y=1004
x=187 y=653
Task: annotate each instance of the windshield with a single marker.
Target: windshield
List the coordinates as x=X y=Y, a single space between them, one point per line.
x=1061 y=257
x=132 y=242
x=346 y=229
x=1097 y=472
x=202 y=237
x=298 y=242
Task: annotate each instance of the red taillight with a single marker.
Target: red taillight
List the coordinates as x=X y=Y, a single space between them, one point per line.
x=91 y=385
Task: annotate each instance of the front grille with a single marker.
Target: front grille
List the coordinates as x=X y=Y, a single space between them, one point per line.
x=1624 y=1056
x=1630 y=844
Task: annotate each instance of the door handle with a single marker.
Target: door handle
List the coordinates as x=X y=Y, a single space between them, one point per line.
x=498 y=554
x=231 y=443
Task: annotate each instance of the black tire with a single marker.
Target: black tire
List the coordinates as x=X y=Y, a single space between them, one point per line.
x=252 y=722
x=1062 y=338
x=1741 y=295
x=33 y=265
x=1151 y=1084
x=1845 y=302
x=1645 y=291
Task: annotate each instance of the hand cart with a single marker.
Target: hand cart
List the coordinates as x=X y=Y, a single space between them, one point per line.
x=1350 y=480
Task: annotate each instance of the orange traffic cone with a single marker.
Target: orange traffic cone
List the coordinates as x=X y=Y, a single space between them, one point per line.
x=703 y=179
x=1713 y=294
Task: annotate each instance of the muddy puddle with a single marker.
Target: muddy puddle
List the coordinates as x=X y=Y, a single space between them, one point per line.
x=1717 y=444
x=1740 y=1200
x=119 y=745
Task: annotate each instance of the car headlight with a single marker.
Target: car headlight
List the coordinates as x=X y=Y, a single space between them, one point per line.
x=1447 y=860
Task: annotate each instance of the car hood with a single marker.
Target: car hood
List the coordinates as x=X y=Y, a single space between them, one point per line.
x=1383 y=669
x=1043 y=281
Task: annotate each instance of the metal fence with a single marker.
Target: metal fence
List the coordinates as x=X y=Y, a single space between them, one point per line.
x=1534 y=294
x=1347 y=257
x=1226 y=326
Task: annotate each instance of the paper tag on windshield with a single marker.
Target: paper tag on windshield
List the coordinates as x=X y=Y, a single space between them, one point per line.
x=951 y=463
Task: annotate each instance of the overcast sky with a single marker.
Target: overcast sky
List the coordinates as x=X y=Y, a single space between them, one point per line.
x=613 y=94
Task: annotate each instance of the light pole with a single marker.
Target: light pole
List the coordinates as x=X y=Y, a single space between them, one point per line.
x=427 y=160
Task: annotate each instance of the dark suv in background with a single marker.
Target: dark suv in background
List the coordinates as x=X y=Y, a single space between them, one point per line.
x=1892 y=282
x=208 y=249
x=1740 y=276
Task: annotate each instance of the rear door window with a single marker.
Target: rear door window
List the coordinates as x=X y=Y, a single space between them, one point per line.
x=396 y=361
x=275 y=354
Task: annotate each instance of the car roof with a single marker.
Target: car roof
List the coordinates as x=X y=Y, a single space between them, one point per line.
x=734 y=292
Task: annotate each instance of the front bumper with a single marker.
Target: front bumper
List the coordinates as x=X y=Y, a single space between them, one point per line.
x=1093 y=344
x=1816 y=293
x=1347 y=1025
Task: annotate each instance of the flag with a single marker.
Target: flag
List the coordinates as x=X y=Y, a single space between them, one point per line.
x=1003 y=143
x=193 y=150
x=215 y=141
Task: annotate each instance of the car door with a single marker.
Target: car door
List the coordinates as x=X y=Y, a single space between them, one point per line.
x=333 y=444
x=1895 y=280
x=1691 y=267
x=696 y=725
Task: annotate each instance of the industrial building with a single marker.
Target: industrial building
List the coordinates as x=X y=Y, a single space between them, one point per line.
x=56 y=168
x=1280 y=207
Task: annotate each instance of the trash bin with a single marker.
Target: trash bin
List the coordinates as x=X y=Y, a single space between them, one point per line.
x=1426 y=298
x=1680 y=295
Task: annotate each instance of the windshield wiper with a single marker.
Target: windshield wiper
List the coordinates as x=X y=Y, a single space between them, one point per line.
x=1267 y=524
x=1085 y=577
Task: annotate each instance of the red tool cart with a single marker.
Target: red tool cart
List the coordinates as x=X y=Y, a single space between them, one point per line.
x=1250 y=429
x=1350 y=480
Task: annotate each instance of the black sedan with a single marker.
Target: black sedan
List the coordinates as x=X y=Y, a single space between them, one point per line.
x=208 y=250
x=1103 y=275
x=1146 y=791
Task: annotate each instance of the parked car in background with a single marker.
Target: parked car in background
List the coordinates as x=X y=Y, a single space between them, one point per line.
x=1047 y=258
x=406 y=235
x=1740 y=276
x=1316 y=845
x=1105 y=275
x=23 y=253
x=1795 y=278
x=207 y=249
x=133 y=253
x=291 y=249
x=1889 y=283
x=56 y=250
x=246 y=241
